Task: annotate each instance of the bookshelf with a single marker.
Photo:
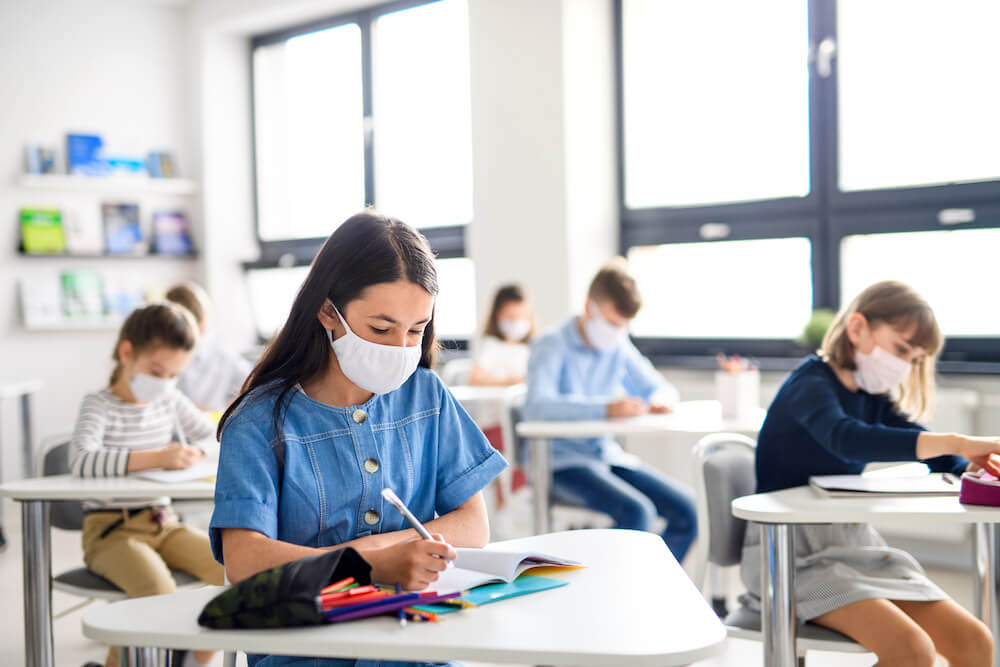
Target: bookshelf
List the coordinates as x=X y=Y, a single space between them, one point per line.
x=105 y=324
x=110 y=186
x=68 y=256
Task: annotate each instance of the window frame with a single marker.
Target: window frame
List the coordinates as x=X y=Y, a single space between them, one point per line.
x=825 y=216
x=446 y=241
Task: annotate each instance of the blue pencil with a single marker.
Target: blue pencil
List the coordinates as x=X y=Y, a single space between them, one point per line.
x=402 y=611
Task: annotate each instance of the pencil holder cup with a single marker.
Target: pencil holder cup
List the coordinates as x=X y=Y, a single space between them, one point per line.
x=738 y=393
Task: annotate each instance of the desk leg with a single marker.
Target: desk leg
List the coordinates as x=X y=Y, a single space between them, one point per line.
x=541 y=484
x=993 y=592
x=778 y=595
x=28 y=453
x=37 y=560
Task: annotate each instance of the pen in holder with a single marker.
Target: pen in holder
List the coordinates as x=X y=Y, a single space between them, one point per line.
x=737 y=387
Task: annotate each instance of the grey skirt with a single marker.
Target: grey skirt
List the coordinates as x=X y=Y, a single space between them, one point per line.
x=837 y=565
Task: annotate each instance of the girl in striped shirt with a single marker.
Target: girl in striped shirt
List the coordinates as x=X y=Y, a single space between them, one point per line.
x=137 y=423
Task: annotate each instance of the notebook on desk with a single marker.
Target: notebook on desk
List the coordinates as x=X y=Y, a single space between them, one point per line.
x=933 y=484
x=204 y=469
x=476 y=567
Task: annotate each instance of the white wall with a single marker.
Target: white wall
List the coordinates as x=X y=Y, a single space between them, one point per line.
x=543 y=148
x=114 y=67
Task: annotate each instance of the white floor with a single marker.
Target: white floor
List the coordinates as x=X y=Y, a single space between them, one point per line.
x=73 y=649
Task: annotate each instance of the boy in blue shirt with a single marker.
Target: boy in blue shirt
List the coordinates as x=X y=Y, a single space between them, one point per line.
x=589 y=369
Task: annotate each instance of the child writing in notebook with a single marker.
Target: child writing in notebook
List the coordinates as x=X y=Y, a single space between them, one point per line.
x=589 y=369
x=342 y=405
x=216 y=374
x=139 y=422
x=502 y=353
x=857 y=402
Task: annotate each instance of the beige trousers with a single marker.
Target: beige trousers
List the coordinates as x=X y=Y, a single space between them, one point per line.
x=138 y=555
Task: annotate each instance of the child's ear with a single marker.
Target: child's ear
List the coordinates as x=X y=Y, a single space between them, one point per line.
x=327 y=316
x=125 y=352
x=856 y=327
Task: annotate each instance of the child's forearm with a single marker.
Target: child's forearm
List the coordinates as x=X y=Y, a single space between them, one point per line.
x=144 y=459
x=930 y=445
x=467 y=526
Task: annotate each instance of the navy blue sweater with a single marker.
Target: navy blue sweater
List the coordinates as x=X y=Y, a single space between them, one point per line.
x=817 y=426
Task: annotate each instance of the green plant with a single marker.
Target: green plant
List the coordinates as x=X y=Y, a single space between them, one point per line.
x=819 y=322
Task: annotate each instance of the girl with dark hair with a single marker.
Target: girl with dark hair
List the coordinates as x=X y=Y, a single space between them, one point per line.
x=342 y=405
x=501 y=355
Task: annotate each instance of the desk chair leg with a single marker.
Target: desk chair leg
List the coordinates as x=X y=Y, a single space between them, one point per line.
x=777 y=595
x=144 y=656
x=992 y=554
x=979 y=549
x=37 y=564
x=541 y=484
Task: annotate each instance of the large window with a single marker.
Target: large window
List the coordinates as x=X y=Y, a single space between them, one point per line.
x=780 y=158
x=366 y=108
x=273 y=289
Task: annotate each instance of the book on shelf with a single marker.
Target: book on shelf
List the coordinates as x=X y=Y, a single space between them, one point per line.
x=42 y=231
x=39 y=159
x=122 y=232
x=84 y=235
x=161 y=164
x=41 y=301
x=85 y=155
x=83 y=296
x=171 y=233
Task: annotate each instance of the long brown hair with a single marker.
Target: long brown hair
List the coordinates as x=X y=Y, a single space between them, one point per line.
x=367 y=249
x=504 y=295
x=166 y=324
x=898 y=305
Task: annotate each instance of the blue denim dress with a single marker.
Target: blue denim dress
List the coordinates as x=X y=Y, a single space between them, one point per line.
x=417 y=440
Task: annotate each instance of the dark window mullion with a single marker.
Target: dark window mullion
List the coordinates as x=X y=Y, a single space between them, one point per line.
x=822 y=154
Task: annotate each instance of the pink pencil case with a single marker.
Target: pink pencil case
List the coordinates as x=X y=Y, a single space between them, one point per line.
x=979 y=488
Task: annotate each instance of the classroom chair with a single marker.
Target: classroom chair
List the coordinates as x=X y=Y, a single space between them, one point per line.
x=68 y=515
x=724 y=471
x=457 y=371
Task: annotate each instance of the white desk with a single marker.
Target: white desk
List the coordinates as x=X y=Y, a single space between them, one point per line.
x=659 y=618
x=777 y=510
x=34 y=495
x=688 y=417
x=22 y=390
x=503 y=398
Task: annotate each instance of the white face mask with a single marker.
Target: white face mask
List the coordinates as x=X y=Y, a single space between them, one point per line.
x=601 y=334
x=514 y=329
x=373 y=367
x=148 y=388
x=879 y=372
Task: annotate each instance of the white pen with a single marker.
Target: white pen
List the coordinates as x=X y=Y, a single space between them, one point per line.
x=394 y=500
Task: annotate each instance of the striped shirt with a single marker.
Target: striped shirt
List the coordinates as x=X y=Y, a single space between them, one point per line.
x=215 y=375
x=108 y=429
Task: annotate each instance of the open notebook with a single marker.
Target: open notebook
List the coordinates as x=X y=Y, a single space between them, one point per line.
x=933 y=484
x=475 y=567
x=200 y=470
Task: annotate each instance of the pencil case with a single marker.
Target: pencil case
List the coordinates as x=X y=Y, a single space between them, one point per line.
x=979 y=488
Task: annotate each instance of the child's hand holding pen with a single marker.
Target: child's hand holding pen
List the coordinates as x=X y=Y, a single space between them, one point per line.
x=629 y=406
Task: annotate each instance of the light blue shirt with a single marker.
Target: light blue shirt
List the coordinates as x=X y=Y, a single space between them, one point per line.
x=570 y=381
x=416 y=440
